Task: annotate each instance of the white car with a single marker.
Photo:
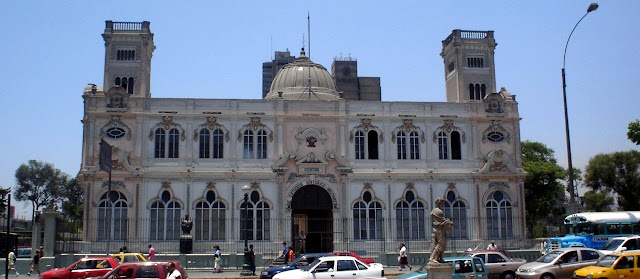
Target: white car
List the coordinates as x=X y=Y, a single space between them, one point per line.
x=619 y=244
x=336 y=267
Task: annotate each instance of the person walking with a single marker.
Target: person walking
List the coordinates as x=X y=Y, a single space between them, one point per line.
x=12 y=262
x=35 y=263
x=403 y=259
x=173 y=272
x=252 y=260
x=292 y=254
x=152 y=253
x=492 y=246
x=217 y=268
x=285 y=252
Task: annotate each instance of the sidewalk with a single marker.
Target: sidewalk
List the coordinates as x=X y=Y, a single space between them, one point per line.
x=389 y=272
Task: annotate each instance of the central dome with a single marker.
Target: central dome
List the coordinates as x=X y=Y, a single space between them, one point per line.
x=292 y=82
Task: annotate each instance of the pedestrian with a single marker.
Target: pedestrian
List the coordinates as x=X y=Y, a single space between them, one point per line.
x=252 y=260
x=41 y=251
x=492 y=246
x=303 y=242
x=403 y=259
x=285 y=252
x=35 y=263
x=172 y=272
x=12 y=262
x=292 y=254
x=216 y=260
x=152 y=253
x=543 y=246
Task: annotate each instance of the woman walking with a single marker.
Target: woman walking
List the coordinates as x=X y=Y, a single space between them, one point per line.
x=403 y=259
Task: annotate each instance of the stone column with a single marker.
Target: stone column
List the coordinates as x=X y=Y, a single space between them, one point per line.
x=36 y=234
x=50 y=219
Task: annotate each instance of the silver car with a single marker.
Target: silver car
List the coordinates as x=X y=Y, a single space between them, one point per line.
x=559 y=263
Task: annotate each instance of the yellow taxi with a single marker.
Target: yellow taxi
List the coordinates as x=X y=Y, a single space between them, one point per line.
x=613 y=266
x=129 y=257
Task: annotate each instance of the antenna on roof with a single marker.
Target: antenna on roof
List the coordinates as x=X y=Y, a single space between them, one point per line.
x=308 y=59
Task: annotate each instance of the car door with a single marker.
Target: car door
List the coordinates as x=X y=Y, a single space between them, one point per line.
x=346 y=269
x=624 y=268
x=496 y=263
x=566 y=264
x=324 y=270
x=463 y=269
x=80 y=269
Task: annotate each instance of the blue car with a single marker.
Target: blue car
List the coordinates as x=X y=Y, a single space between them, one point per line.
x=300 y=262
x=461 y=268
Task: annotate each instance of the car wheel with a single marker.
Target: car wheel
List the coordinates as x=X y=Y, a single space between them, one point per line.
x=547 y=276
x=508 y=275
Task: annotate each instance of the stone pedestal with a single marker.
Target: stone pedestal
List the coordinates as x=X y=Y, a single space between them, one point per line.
x=186 y=244
x=439 y=270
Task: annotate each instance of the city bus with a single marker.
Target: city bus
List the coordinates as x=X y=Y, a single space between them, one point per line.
x=594 y=229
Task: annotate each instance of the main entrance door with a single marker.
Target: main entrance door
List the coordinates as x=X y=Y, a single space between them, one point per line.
x=312 y=220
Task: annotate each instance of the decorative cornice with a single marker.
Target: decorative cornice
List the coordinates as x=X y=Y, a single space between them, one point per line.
x=211 y=124
x=407 y=127
x=303 y=135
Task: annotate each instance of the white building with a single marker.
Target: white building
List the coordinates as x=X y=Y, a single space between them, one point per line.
x=343 y=172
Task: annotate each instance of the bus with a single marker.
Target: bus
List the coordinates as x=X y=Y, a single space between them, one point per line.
x=594 y=229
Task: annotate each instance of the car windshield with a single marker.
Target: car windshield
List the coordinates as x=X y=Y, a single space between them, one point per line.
x=309 y=266
x=612 y=245
x=607 y=261
x=549 y=257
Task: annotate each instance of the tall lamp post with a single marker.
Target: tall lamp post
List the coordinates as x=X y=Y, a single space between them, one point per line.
x=572 y=205
x=246 y=271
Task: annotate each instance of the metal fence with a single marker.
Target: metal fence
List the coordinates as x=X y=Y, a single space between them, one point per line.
x=323 y=234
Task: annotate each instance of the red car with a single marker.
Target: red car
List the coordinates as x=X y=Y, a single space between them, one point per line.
x=142 y=270
x=353 y=254
x=82 y=268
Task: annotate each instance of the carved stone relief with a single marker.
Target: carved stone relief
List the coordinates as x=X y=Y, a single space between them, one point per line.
x=167 y=124
x=407 y=127
x=366 y=126
x=254 y=125
x=211 y=124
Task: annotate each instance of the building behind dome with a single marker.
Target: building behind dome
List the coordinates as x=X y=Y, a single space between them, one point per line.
x=350 y=174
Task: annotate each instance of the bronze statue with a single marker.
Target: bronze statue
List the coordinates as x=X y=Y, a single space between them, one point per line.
x=438 y=236
x=187 y=224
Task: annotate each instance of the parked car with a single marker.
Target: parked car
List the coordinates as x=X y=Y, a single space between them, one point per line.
x=82 y=268
x=144 y=269
x=612 y=266
x=129 y=257
x=353 y=254
x=300 y=262
x=464 y=267
x=498 y=263
x=334 y=267
x=559 y=263
x=619 y=244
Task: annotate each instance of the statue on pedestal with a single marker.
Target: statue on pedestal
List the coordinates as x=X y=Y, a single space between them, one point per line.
x=187 y=224
x=438 y=236
x=186 y=239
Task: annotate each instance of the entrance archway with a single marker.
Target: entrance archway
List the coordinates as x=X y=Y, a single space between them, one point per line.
x=311 y=214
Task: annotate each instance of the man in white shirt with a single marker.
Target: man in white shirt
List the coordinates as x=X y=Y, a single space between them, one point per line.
x=172 y=272
x=492 y=246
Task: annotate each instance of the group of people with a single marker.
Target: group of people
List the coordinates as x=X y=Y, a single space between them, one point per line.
x=35 y=262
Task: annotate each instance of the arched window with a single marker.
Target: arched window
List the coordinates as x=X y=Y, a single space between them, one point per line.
x=261 y=144
x=165 y=218
x=248 y=145
x=259 y=141
x=410 y=218
x=160 y=143
x=367 y=218
x=401 y=142
x=125 y=82
x=414 y=146
x=259 y=218
x=499 y=215
x=211 y=143
x=456 y=210
x=210 y=218
x=449 y=149
x=164 y=150
x=366 y=145
x=174 y=143
x=112 y=216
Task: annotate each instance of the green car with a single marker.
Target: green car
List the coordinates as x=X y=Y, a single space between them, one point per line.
x=461 y=268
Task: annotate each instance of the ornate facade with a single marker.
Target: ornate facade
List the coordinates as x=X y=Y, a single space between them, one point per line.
x=315 y=162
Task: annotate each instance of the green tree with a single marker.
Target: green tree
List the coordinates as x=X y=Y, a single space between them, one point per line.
x=73 y=201
x=597 y=201
x=542 y=187
x=619 y=172
x=40 y=183
x=634 y=131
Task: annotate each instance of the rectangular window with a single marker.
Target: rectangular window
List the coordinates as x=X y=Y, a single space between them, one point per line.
x=125 y=55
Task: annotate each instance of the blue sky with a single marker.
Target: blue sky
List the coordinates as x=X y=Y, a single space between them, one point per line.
x=213 y=49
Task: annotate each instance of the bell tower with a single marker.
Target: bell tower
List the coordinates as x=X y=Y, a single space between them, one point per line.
x=469 y=67
x=127 y=59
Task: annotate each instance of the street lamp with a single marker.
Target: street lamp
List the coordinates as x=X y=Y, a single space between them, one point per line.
x=592 y=7
x=246 y=271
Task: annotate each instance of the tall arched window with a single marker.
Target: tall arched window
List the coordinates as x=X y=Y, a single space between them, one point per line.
x=499 y=215
x=259 y=218
x=456 y=210
x=261 y=145
x=449 y=146
x=210 y=218
x=410 y=218
x=211 y=143
x=414 y=146
x=165 y=218
x=166 y=144
x=126 y=83
x=112 y=216
x=248 y=145
x=367 y=218
x=366 y=145
x=401 y=142
x=477 y=91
